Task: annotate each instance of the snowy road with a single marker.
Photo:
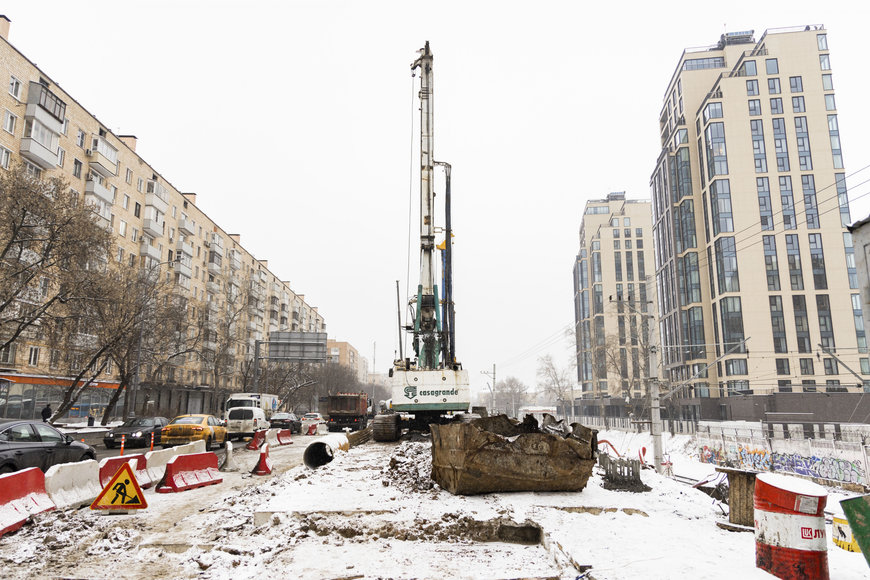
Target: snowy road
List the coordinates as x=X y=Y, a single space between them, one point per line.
x=374 y=513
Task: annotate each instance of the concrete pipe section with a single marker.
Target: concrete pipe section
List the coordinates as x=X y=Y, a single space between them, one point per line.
x=322 y=452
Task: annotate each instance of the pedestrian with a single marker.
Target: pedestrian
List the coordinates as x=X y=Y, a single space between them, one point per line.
x=46 y=413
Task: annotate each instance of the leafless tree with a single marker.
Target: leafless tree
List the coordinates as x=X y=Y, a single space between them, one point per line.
x=50 y=242
x=556 y=383
x=510 y=395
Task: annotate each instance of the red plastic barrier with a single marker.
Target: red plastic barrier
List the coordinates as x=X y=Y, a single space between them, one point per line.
x=258 y=439
x=285 y=437
x=264 y=465
x=22 y=494
x=312 y=429
x=110 y=466
x=188 y=471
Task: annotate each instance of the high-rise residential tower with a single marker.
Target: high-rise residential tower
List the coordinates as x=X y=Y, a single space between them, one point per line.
x=754 y=265
x=614 y=306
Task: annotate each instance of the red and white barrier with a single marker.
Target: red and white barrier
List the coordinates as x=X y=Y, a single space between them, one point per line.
x=110 y=466
x=790 y=539
x=258 y=439
x=264 y=463
x=285 y=437
x=189 y=471
x=22 y=494
x=72 y=485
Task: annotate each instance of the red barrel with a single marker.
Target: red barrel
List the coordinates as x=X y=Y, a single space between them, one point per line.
x=790 y=539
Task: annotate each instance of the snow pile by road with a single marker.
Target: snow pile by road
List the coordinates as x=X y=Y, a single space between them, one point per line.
x=373 y=513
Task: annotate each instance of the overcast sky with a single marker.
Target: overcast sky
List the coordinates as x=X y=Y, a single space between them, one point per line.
x=292 y=121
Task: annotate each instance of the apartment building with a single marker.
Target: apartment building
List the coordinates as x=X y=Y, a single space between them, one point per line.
x=614 y=306
x=754 y=264
x=345 y=354
x=157 y=228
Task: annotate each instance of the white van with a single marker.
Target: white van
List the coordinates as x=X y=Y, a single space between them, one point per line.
x=243 y=421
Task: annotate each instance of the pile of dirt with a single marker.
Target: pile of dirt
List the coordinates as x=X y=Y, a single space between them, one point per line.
x=410 y=468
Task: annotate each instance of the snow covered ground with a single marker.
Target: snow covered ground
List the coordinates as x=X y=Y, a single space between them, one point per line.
x=374 y=513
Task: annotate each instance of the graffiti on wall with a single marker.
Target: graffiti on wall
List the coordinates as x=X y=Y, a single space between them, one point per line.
x=756 y=458
x=832 y=468
x=711 y=455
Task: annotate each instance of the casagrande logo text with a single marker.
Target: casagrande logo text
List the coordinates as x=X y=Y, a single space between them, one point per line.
x=411 y=392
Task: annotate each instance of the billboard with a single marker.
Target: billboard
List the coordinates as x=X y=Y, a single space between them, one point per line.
x=297 y=346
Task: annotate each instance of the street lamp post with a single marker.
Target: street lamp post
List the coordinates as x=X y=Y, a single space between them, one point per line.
x=492 y=389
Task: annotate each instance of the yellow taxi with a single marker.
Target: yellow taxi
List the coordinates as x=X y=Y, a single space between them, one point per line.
x=186 y=428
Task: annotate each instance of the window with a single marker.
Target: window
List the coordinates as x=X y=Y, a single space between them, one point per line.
x=807 y=366
x=122 y=228
x=825 y=61
x=822 y=41
x=80 y=138
x=830 y=366
x=748 y=69
x=140 y=183
x=771 y=264
x=134 y=236
x=736 y=367
x=796 y=84
x=5 y=157
x=77 y=168
x=129 y=178
x=137 y=209
x=754 y=107
x=125 y=202
x=15 y=88
x=7 y=354
x=33 y=356
x=61 y=155
x=776 y=106
x=773 y=86
x=712 y=111
x=9 y=122
x=752 y=88
x=772 y=66
x=782 y=366
x=798 y=105
x=828 y=82
x=830 y=103
x=120 y=255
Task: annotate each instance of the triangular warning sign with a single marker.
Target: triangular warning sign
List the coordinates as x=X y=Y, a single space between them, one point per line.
x=121 y=493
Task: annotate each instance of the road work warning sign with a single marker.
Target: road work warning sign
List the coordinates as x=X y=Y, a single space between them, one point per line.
x=121 y=493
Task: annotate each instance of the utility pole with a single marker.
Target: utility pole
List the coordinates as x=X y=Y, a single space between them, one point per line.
x=492 y=390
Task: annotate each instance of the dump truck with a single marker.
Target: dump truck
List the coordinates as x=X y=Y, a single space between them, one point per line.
x=347 y=410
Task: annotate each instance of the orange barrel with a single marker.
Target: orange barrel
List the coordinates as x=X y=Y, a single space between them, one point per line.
x=790 y=539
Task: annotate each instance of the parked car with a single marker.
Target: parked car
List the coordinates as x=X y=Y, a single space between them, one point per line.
x=136 y=431
x=244 y=421
x=26 y=444
x=286 y=421
x=186 y=428
x=314 y=417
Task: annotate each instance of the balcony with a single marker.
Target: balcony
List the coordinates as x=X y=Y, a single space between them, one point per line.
x=235 y=263
x=186 y=227
x=214 y=268
x=156 y=196
x=181 y=268
x=45 y=106
x=255 y=310
x=209 y=345
x=213 y=287
x=184 y=248
x=146 y=249
x=103 y=157
x=152 y=227
x=252 y=325
x=101 y=208
x=212 y=306
x=94 y=187
x=38 y=153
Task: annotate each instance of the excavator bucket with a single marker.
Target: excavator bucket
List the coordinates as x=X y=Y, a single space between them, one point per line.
x=497 y=454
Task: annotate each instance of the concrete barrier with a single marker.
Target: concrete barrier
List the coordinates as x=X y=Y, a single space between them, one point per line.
x=72 y=485
x=189 y=471
x=22 y=494
x=272 y=437
x=156 y=462
x=285 y=437
x=110 y=466
x=229 y=463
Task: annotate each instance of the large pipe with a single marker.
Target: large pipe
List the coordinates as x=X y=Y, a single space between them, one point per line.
x=322 y=452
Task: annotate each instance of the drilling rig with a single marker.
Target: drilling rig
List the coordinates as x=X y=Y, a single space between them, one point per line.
x=431 y=387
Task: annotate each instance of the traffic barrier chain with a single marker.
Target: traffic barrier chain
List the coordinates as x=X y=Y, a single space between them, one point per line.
x=258 y=439
x=185 y=472
x=72 y=485
x=264 y=463
x=110 y=466
x=22 y=494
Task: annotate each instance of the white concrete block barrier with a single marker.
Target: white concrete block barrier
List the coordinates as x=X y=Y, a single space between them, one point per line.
x=72 y=485
x=272 y=437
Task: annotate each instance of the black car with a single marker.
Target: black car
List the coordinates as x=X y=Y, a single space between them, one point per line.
x=136 y=432
x=26 y=444
x=286 y=421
